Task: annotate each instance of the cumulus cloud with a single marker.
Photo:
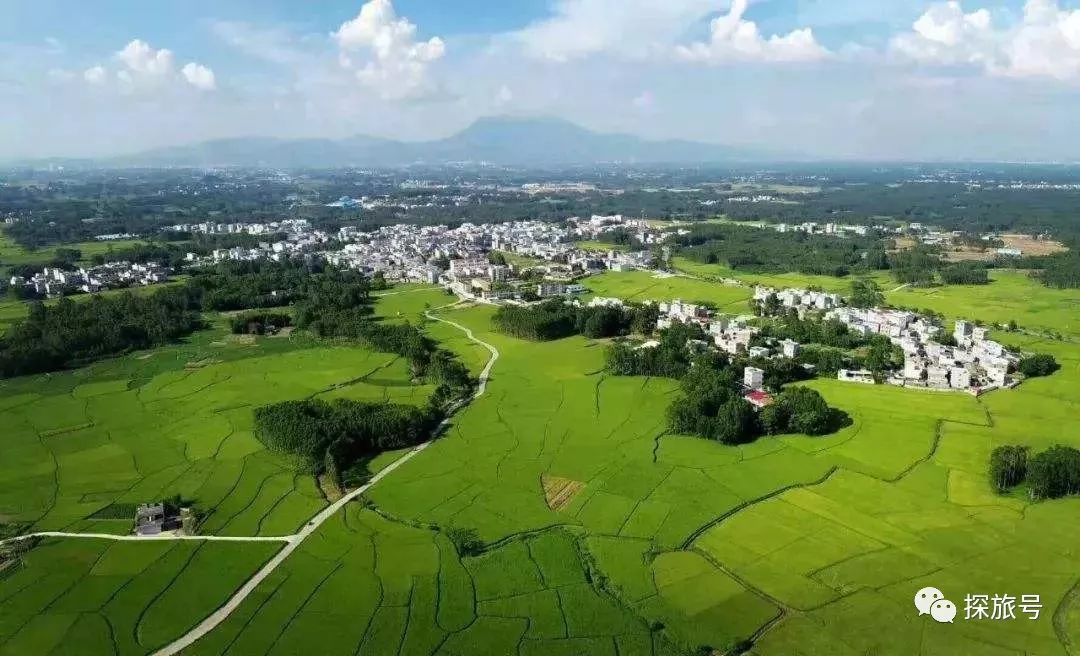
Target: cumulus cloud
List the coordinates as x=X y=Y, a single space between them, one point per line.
x=140 y=58
x=397 y=64
x=1044 y=43
x=733 y=38
x=199 y=76
x=141 y=68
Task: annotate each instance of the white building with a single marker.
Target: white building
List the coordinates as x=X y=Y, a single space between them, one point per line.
x=753 y=378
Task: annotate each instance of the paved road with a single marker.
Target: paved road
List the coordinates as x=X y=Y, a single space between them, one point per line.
x=148 y=538
x=294 y=541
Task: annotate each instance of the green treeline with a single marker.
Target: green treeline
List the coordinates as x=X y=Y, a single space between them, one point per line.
x=249 y=285
x=1052 y=474
x=556 y=319
x=766 y=251
x=70 y=333
x=259 y=323
x=1060 y=271
x=331 y=437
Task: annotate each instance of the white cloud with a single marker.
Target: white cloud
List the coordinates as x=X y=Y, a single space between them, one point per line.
x=399 y=63
x=140 y=68
x=732 y=38
x=632 y=28
x=1044 y=43
x=139 y=57
x=199 y=76
x=95 y=75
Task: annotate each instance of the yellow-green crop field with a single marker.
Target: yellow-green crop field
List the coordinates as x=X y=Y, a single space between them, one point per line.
x=665 y=543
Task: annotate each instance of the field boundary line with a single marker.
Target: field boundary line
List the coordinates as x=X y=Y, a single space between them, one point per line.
x=294 y=541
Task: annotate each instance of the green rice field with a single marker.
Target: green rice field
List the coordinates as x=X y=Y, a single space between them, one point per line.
x=12 y=254
x=660 y=544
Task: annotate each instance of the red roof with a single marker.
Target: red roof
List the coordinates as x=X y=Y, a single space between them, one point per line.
x=759 y=398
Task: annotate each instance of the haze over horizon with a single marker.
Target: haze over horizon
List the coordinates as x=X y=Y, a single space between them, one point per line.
x=872 y=80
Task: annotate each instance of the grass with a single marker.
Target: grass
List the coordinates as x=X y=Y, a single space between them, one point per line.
x=808 y=545
x=647 y=286
x=116 y=597
x=601 y=246
x=12 y=254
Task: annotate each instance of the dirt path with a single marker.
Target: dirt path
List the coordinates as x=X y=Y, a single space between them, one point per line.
x=292 y=542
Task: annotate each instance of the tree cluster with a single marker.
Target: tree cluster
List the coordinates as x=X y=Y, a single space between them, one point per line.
x=331 y=437
x=70 y=333
x=765 y=251
x=670 y=359
x=1060 y=271
x=812 y=330
x=1040 y=364
x=259 y=323
x=1052 y=474
x=556 y=319
x=965 y=273
x=711 y=406
x=1008 y=466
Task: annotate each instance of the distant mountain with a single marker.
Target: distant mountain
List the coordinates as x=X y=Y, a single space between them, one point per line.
x=511 y=141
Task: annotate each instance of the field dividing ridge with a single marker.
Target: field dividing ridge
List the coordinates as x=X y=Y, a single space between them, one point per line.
x=293 y=542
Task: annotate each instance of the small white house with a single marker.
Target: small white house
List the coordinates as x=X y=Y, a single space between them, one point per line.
x=754 y=378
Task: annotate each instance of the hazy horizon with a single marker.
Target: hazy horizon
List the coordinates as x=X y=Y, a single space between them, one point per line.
x=880 y=80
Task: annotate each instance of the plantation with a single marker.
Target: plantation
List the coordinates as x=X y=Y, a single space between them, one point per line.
x=594 y=530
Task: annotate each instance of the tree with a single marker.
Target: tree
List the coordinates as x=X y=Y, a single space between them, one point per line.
x=810 y=414
x=497 y=258
x=1055 y=472
x=775 y=418
x=866 y=293
x=735 y=422
x=466 y=540
x=1008 y=466
x=1041 y=364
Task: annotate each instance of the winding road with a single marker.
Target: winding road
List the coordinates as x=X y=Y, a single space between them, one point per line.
x=292 y=542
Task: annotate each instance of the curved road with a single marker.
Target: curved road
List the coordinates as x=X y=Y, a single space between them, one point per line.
x=294 y=541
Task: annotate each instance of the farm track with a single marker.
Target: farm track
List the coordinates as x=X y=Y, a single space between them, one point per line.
x=291 y=542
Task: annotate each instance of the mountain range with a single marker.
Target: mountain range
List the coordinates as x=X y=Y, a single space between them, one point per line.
x=497 y=140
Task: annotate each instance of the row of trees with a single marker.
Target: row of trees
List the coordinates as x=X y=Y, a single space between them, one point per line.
x=1052 y=474
x=70 y=333
x=332 y=437
x=556 y=319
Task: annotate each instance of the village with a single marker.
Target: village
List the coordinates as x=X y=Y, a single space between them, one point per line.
x=54 y=281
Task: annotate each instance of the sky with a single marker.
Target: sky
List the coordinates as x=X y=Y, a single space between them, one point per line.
x=833 y=79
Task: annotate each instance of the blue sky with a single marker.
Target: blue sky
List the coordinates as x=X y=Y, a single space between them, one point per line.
x=868 y=79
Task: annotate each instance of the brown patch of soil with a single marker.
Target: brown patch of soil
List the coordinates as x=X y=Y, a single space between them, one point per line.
x=559 y=492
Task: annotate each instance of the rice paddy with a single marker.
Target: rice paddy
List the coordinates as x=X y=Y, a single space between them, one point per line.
x=599 y=532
